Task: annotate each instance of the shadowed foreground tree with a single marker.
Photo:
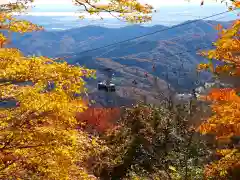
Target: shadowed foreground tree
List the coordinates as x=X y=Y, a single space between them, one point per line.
x=225 y=121
x=152 y=142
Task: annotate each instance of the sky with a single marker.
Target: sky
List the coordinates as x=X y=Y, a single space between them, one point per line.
x=66 y=7
x=155 y=3
x=169 y=12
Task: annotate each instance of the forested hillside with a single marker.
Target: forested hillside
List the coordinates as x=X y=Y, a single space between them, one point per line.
x=171 y=52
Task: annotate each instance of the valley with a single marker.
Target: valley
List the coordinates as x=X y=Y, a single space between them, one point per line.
x=168 y=57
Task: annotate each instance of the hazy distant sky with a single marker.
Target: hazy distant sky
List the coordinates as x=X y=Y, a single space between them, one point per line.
x=61 y=7
x=155 y=3
x=169 y=12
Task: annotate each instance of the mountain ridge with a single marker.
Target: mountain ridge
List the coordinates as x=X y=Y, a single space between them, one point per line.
x=173 y=52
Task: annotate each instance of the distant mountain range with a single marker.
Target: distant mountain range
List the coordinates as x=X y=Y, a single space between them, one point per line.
x=171 y=52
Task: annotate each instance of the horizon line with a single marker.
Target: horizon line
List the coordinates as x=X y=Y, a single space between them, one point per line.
x=121 y=26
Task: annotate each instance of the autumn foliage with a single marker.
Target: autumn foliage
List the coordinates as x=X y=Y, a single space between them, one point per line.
x=38 y=136
x=42 y=137
x=100 y=119
x=124 y=10
x=225 y=121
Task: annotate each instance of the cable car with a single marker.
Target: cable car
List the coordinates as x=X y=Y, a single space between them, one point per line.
x=105 y=86
x=134 y=82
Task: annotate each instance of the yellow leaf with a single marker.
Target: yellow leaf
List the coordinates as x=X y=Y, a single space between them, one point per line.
x=172 y=168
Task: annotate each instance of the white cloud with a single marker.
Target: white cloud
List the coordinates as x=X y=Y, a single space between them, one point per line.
x=72 y=14
x=180 y=13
